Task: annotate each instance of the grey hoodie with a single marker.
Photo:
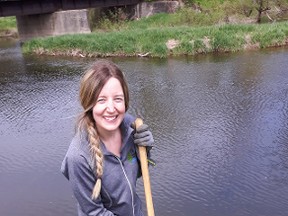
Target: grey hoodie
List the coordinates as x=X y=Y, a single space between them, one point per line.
x=118 y=192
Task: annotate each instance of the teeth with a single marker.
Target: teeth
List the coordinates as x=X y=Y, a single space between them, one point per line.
x=110 y=118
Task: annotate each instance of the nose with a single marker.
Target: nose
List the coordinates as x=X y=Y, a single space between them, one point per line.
x=110 y=106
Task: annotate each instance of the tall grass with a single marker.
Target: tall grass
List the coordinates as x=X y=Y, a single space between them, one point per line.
x=7 y=23
x=154 y=41
x=183 y=17
x=186 y=32
x=8 y=27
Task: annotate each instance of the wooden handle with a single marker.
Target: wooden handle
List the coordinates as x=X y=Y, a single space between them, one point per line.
x=145 y=174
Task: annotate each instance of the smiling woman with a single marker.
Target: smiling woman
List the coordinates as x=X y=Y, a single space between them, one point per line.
x=105 y=141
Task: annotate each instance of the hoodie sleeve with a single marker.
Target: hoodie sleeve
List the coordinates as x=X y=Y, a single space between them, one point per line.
x=76 y=169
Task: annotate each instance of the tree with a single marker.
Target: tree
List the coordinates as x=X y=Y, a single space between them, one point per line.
x=261 y=6
x=272 y=9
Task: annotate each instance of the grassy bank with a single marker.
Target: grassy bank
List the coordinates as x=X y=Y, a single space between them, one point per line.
x=165 y=41
x=8 y=27
x=205 y=27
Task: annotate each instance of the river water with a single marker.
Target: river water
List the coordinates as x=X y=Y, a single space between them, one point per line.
x=219 y=123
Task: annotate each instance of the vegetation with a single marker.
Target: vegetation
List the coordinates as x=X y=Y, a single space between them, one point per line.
x=8 y=26
x=201 y=26
x=162 y=42
x=204 y=13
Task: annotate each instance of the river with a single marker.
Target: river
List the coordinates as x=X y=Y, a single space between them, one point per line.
x=219 y=123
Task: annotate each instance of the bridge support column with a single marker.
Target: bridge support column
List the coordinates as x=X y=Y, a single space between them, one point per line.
x=57 y=23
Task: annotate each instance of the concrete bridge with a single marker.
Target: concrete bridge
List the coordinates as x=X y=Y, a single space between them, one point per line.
x=39 y=18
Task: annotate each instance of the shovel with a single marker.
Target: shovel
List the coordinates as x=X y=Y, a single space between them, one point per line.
x=145 y=174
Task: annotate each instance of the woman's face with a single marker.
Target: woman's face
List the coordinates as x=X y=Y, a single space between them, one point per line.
x=109 y=109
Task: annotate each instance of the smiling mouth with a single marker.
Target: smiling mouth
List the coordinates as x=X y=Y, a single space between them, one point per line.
x=110 y=118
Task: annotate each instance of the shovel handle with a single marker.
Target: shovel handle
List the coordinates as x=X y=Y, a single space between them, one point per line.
x=145 y=174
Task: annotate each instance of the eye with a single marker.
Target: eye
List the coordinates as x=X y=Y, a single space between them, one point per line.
x=100 y=100
x=119 y=99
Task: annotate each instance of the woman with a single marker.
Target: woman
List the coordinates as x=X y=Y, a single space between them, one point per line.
x=101 y=162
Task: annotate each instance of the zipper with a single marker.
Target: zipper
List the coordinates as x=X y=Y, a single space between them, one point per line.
x=129 y=184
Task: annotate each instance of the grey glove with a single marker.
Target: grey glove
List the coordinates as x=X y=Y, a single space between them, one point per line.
x=143 y=136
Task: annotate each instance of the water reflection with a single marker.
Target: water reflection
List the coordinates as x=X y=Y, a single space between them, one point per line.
x=220 y=125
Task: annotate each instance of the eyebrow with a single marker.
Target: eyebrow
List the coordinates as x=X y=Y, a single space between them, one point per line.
x=120 y=95
x=117 y=95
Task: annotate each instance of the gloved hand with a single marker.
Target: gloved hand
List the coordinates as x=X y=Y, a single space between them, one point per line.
x=143 y=136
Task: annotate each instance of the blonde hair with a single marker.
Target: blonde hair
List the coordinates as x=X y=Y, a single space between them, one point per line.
x=91 y=85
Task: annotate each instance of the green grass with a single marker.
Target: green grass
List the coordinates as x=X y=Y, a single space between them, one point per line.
x=7 y=23
x=272 y=35
x=8 y=27
x=191 y=33
x=183 y=17
x=190 y=40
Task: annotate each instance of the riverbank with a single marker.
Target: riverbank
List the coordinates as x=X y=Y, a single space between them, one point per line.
x=8 y=27
x=164 y=41
x=190 y=30
x=9 y=33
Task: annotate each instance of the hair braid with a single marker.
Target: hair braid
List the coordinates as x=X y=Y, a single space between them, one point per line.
x=97 y=156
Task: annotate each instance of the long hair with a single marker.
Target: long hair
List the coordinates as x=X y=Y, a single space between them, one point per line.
x=91 y=85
